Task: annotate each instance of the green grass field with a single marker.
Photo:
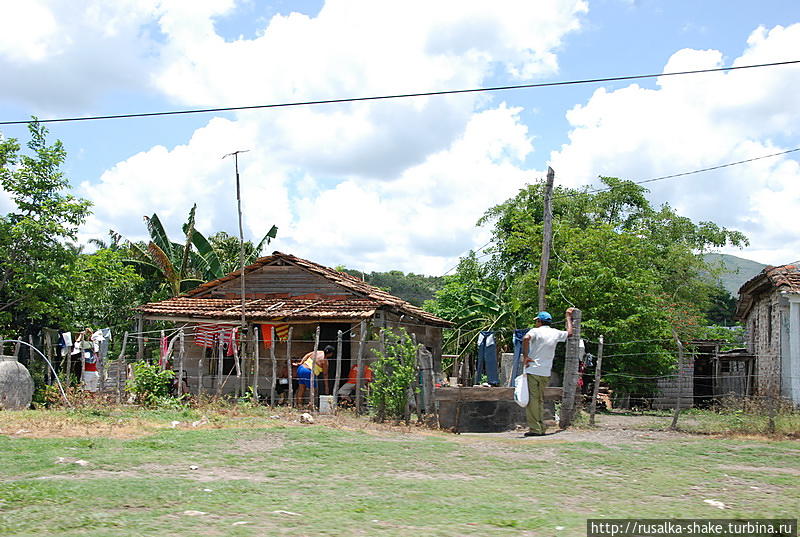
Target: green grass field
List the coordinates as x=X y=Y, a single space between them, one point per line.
x=257 y=475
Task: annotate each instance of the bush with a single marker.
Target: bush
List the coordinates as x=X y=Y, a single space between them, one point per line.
x=150 y=384
x=392 y=374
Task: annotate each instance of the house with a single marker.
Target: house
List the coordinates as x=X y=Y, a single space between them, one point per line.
x=769 y=308
x=285 y=291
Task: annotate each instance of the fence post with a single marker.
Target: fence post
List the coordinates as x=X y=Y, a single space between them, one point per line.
x=337 y=378
x=274 y=361
x=571 y=372
x=181 y=355
x=220 y=358
x=257 y=357
x=380 y=411
x=597 y=373
x=289 y=366
x=674 y=424
x=362 y=334
x=121 y=366
x=312 y=389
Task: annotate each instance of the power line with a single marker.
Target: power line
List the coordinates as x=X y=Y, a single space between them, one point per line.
x=682 y=174
x=400 y=95
x=651 y=180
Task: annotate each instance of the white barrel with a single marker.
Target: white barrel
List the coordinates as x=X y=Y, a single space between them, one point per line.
x=16 y=384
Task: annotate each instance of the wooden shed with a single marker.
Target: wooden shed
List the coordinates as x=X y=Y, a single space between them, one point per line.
x=769 y=307
x=287 y=292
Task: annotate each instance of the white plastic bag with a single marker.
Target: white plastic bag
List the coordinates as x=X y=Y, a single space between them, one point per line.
x=521 y=390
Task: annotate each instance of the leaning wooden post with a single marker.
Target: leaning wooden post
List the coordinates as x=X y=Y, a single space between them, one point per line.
x=220 y=358
x=121 y=366
x=597 y=373
x=289 y=365
x=274 y=362
x=362 y=334
x=181 y=357
x=338 y=378
x=571 y=372
x=257 y=358
x=674 y=424
x=313 y=384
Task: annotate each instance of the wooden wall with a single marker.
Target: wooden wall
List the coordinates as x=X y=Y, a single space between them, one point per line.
x=276 y=279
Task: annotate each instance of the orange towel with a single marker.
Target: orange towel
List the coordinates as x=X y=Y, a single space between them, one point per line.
x=266 y=335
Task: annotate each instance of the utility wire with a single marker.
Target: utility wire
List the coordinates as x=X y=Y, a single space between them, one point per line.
x=400 y=95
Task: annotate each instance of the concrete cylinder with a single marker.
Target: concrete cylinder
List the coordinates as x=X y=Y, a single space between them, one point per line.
x=16 y=384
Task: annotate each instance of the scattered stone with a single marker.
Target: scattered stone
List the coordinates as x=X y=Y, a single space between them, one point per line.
x=67 y=460
x=289 y=513
x=305 y=417
x=22 y=431
x=207 y=490
x=276 y=417
x=194 y=513
x=240 y=523
x=716 y=503
x=201 y=421
x=194 y=467
x=174 y=424
x=559 y=528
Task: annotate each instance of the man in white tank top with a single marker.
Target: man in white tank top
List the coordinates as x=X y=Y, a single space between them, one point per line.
x=538 y=349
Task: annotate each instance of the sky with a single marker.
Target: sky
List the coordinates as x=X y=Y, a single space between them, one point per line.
x=400 y=184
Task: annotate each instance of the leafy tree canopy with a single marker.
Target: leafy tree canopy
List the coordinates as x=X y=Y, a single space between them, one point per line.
x=633 y=269
x=34 y=236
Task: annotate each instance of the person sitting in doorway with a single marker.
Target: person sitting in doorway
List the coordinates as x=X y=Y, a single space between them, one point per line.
x=349 y=387
x=310 y=367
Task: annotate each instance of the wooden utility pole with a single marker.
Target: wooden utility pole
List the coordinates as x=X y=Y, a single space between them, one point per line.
x=571 y=372
x=597 y=373
x=547 y=236
x=235 y=155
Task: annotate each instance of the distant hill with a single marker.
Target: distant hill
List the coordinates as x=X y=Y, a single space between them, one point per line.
x=736 y=270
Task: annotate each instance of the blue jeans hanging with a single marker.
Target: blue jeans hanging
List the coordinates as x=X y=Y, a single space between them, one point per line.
x=487 y=359
x=516 y=369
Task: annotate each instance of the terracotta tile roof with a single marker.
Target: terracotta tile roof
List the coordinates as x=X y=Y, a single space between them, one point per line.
x=264 y=309
x=377 y=297
x=783 y=278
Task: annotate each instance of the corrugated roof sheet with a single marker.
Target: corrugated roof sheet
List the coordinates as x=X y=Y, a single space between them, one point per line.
x=375 y=296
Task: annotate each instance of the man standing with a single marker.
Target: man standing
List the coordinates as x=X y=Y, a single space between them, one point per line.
x=538 y=348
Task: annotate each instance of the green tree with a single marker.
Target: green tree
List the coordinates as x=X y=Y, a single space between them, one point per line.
x=102 y=288
x=34 y=253
x=634 y=270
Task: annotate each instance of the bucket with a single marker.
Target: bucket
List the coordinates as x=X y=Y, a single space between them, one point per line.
x=326 y=404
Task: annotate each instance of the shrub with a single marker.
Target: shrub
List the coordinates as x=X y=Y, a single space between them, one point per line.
x=393 y=372
x=149 y=383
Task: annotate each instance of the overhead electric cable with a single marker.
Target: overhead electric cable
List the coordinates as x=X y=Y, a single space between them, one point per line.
x=652 y=180
x=400 y=95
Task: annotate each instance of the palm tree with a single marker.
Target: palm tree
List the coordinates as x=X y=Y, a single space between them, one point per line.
x=179 y=266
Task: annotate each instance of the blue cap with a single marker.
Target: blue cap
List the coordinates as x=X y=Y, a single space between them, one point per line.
x=544 y=316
